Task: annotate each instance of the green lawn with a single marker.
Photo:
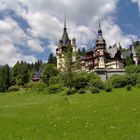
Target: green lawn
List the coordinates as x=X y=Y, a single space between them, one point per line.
x=104 y=116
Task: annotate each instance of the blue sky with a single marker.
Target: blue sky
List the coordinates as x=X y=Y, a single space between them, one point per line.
x=31 y=29
x=129 y=17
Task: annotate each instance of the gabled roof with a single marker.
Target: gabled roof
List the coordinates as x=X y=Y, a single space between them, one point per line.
x=112 y=51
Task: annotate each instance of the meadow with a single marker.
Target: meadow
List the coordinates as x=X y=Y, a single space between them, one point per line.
x=38 y=116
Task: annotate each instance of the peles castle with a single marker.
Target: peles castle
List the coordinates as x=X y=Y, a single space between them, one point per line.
x=103 y=60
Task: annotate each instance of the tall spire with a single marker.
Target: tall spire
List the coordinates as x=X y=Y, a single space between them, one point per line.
x=99 y=24
x=65 y=20
x=100 y=39
x=65 y=38
x=99 y=29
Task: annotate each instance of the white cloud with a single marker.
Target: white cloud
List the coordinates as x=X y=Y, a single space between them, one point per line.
x=12 y=37
x=10 y=55
x=35 y=45
x=113 y=34
x=45 y=18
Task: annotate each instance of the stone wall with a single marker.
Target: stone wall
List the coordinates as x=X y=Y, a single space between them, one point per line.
x=107 y=73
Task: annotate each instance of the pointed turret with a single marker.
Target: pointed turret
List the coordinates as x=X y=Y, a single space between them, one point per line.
x=65 y=38
x=134 y=53
x=100 y=49
x=100 y=40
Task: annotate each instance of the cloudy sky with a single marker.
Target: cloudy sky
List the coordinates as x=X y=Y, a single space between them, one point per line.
x=31 y=29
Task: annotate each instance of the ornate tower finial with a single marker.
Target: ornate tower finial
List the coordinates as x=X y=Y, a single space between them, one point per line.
x=99 y=28
x=99 y=24
x=65 y=20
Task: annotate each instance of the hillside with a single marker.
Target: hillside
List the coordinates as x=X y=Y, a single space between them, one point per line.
x=103 y=116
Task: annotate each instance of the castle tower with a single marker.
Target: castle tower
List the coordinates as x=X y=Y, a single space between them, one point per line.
x=100 y=50
x=74 y=50
x=64 y=43
x=134 y=53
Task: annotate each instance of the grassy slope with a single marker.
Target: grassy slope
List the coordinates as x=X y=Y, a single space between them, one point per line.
x=114 y=116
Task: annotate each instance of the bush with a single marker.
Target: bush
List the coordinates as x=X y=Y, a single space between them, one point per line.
x=13 y=88
x=79 y=81
x=117 y=81
x=36 y=86
x=72 y=91
x=131 y=79
x=94 y=90
x=108 y=88
x=57 y=88
x=138 y=78
x=138 y=85
x=128 y=87
x=96 y=83
x=132 y=69
x=92 y=75
x=54 y=80
x=82 y=91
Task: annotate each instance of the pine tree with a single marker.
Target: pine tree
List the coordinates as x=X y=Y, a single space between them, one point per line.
x=4 y=78
x=51 y=59
x=83 y=51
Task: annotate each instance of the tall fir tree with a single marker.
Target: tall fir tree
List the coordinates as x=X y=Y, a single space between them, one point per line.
x=51 y=59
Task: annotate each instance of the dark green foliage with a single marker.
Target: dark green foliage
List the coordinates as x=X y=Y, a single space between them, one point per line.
x=120 y=81
x=57 y=88
x=82 y=91
x=80 y=81
x=4 y=78
x=38 y=65
x=128 y=61
x=36 y=86
x=108 y=88
x=132 y=69
x=20 y=74
x=94 y=81
x=138 y=78
x=49 y=70
x=72 y=91
x=138 y=85
x=131 y=79
x=51 y=59
x=13 y=88
x=128 y=87
x=117 y=81
x=94 y=90
x=55 y=80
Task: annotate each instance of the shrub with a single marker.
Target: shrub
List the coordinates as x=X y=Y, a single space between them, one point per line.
x=138 y=85
x=70 y=92
x=138 y=78
x=132 y=69
x=92 y=75
x=94 y=90
x=82 y=91
x=36 y=86
x=131 y=79
x=57 y=88
x=117 y=81
x=54 y=80
x=108 y=88
x=13 y=88
x=96 y=83
x=79 y=82
x=128 y=87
